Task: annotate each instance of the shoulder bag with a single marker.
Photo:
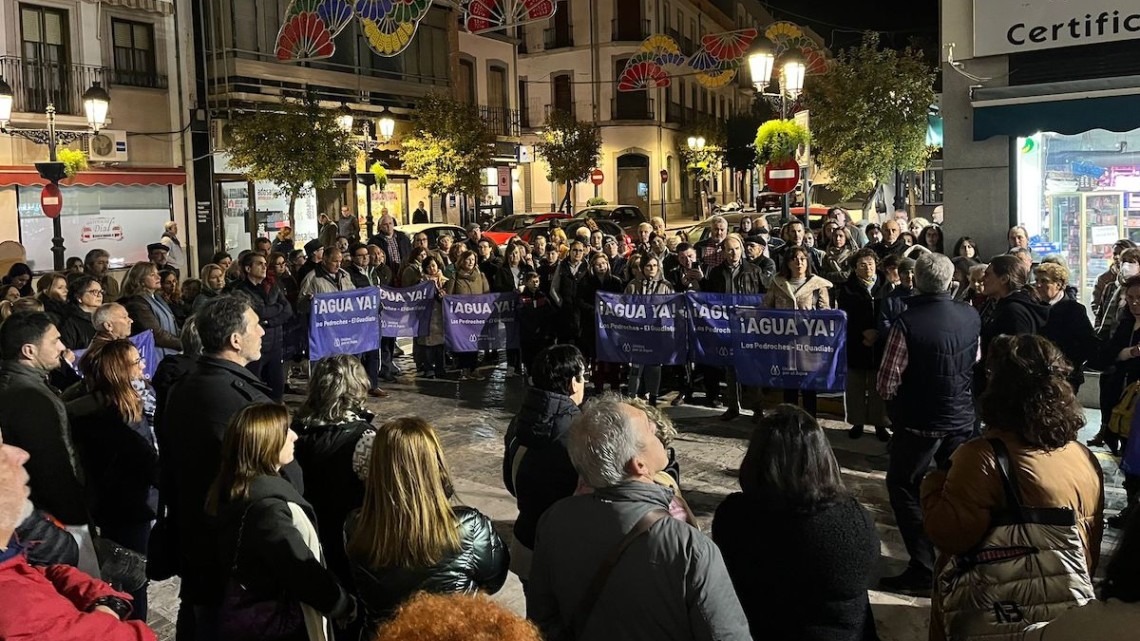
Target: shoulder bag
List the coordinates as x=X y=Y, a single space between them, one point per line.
x=1029 y=568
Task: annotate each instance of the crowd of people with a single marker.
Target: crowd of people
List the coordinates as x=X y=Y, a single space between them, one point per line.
x=328 y=521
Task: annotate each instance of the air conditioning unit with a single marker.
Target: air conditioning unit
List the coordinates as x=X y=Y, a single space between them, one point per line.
x=109 y=145
x=220 y=134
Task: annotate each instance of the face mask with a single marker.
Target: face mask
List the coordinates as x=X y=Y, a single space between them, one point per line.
x=1128 y=270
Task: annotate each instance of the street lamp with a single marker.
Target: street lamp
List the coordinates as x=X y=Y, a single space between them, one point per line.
x=697 y=144
x=761 y=63
x=344 y=118
x=387 y=128
x=96 y=105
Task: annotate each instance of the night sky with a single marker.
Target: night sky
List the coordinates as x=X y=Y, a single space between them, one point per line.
x=907 y=22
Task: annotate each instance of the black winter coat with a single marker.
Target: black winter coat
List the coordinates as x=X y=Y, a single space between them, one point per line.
x=197 y=411
x=859 y=303
x=1018 y=313
x=545 y=473
x=75 y=328
x=480 y=564
x=1070 y=330
x=272 y=309
x=815 y=588
x=120 y=461
x=587 y=305
x=748 y=280
x=333 y=488
x=273 y=561
x=33 y=418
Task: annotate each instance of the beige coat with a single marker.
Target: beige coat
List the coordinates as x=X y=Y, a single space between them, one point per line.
x=473 y=282
x=782 y=296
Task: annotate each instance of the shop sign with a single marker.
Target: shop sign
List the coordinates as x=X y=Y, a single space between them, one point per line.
x=1013 y=26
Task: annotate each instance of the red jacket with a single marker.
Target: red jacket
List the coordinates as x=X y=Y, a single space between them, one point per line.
x=52 y=603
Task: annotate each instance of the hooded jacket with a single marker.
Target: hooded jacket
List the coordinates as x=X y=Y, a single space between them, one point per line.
x=545 y=473
x=813 y=294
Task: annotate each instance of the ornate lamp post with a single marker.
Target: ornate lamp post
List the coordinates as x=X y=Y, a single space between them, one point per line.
x=761 y=64
x=696 y=145
x=96 y=104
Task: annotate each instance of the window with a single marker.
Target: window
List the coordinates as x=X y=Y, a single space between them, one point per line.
x=524 y=107
x=133 y=51
x=497 y=88
x=46 y=71
x=563 y=94
x=466 y=82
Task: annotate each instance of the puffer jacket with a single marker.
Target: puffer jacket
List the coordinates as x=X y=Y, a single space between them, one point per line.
x=480 y=564
x=813 y=294
x=957 y=503
x=545 y=473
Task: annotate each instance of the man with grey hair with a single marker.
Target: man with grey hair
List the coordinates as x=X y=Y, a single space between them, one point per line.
x=112 y=322
x=930 y=405
x=710 y=251
x=175 y=254
x=612 y=564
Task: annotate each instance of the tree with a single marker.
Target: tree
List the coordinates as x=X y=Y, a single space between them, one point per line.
x=449 y=148
x=868 y=115
x=571 y=149
x=701 y=164
x=296 y=145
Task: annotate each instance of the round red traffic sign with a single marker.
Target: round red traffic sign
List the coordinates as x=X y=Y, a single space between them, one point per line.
x=664 y=176
x=51 y=200
x=597 y=177
x=783 y=177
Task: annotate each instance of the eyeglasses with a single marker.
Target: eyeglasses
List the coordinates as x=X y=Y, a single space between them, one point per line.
x=137 y=361
x=94 y=292
x=364 y=255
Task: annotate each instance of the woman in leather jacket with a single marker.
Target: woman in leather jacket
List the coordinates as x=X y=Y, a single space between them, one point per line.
x=408 y=537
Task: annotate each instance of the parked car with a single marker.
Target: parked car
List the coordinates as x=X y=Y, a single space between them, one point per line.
x=628 y=217
x=571 y=229
x=700 y=231
x=434 y=231
x=502 y=230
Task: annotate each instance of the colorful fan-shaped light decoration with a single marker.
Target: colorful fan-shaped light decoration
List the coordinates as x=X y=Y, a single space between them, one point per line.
x=646 y=74
x=814 y=60
x=389 y=25
x=714 y=79
x=489 y=15
x=729 y=45
x=783 y=31
x=304 y=36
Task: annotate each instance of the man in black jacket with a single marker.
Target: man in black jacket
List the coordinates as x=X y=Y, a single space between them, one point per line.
x=733 y=276
x=273 y=312
x=197 y=413
x=396 y=244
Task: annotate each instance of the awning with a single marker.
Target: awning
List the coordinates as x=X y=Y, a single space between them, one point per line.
x=1071 y=107
x=23 y=176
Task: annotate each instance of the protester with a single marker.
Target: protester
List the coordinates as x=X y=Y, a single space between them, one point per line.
x=283 y=242
x=269 y=546
x=148 y=310
x=966 y=247
x=455 y=617
x=73 y=266
x=836 y=263
x=396 y=244
x=925 y=377
x=96 y=264
x=1018 y=238
x=84 y=296
x=1016 y=311
x=614 y=448
x=407 y=536
x=651 y=283
x=468 y=281
x=58 y=601
x=113 y=424
x=51 y=290
x=273 y=312
x=892 y=242
x=931 y=237
x=710 y=251
x=1068 y=325
x=857 y=297
x=796 y=287
x=1117 y=360
x=328 y=277
x=600 y=279
x=536 y=465
x=20 y=276
x=171 y=294
x=816 y=587
x=175 y=254
x=111 y=322
x=733 y=275
x=1033 y=415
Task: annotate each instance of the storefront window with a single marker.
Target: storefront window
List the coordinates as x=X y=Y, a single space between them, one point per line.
x=121 y=220
x=273 y=213
x=1077 y=195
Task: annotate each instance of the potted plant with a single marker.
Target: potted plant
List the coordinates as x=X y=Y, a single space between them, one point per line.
x=74 y=161
x=777 y=141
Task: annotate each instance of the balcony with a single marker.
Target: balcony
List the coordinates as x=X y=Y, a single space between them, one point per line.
x=631 y=109
x=500 y=121
x=557 y=38
x=624 y=30
x=674 y=113
x=684 y=43
x=37 y=84
x=549 y=109
x=142 y=79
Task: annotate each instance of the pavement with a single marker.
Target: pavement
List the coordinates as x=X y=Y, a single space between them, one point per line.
x=471 y=418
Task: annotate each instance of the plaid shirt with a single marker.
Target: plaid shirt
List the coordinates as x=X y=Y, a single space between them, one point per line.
x=712 y=255
x=895 y=360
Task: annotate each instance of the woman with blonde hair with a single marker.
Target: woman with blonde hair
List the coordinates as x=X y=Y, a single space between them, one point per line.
x=51 y=290
x=148 y=310
x=213 y=282
x=408 y=537
x=268 y=536
x=329 y=424
x=468 y=281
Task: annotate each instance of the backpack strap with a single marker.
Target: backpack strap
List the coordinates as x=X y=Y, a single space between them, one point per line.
x=1008 y=477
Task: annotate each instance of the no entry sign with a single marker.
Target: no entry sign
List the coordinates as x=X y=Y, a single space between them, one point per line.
x=51 y=200
x=782 y=178
x=597 y=177
x=664 y=176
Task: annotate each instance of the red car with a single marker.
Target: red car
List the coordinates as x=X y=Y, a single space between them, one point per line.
x=502 y=230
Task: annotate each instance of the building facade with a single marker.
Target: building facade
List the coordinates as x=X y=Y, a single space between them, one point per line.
x=1041 y=107
x=51 y=52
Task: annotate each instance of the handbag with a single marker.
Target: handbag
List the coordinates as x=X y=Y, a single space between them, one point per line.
x=247 y=616
x=121 y=567
x=1029 y=568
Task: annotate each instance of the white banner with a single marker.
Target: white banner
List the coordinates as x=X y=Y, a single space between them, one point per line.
x=1012 y=26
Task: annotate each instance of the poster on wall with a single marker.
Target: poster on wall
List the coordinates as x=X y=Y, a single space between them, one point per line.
x=124 y=233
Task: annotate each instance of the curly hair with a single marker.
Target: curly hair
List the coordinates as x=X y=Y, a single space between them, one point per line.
x=1028 y=393
x=455 y=617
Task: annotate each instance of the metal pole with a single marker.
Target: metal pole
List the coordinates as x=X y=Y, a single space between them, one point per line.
x=368 y=209
x=57 y=248
x=785 y=209
x=663 y=202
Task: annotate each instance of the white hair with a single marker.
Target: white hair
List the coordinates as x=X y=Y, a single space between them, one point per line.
x=933 y=273
x=715 y=220
x=602 y=440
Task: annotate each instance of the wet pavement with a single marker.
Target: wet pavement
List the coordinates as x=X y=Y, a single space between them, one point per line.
x=471 y=418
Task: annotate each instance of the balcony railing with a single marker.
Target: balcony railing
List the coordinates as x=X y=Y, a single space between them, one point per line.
x=631 y=109
x=36 y=84
x=555 y=38
x=501 y=121
x=625 y=30
x=685 y=44
x=549 y=109
x=144 y=79
x=674 y=113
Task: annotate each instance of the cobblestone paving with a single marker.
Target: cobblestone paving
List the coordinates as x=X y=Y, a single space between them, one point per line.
x=471 y=418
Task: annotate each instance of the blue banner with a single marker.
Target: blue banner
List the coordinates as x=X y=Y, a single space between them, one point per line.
x=344 y=323
x=642 y=329
x=406 y=311
x=144 y=343
x=478 y=322
x=710 y=325
x=788 y=349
